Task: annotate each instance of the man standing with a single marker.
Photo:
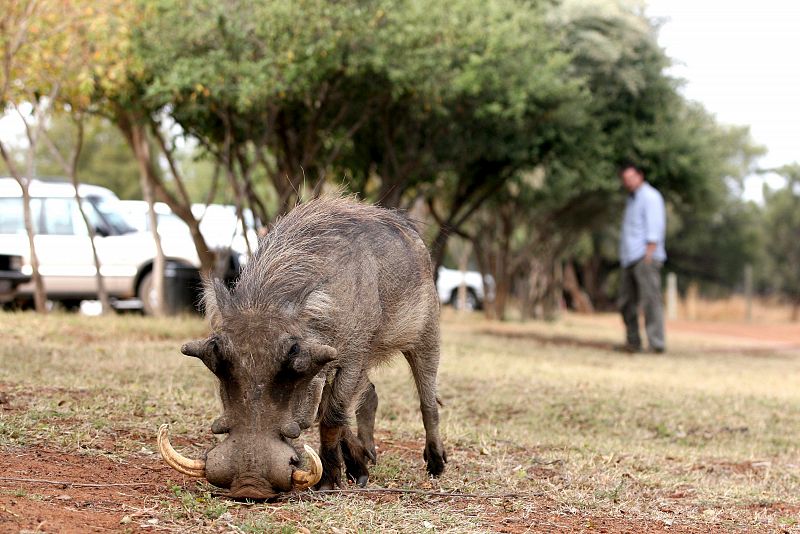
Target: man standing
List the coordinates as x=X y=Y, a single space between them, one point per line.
x=642 y=254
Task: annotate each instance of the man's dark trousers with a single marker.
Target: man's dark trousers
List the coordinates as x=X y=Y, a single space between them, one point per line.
x=641 y=285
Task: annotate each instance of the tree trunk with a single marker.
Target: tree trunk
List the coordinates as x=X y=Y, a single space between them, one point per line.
x=462 y=287
x=127 y=123
x=101 y=286
x=489 y=293
x=438 y=248
x=580 y=301
x=239 y=198
x=142 y=151
x=552 y=302
x=538 y=281
x=39 y=294
x=71 y=169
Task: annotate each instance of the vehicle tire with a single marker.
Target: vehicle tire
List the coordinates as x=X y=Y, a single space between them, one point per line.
x=71 y=305
x=146 y=294
x=471 y=302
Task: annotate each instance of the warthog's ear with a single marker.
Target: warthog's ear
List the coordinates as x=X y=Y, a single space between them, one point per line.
x=216 y=299
x=204 y=350
x=309 y=357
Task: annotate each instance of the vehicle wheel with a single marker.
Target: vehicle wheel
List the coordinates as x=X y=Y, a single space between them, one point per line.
x=147 y=294
x=471 y=301
x=71 y=305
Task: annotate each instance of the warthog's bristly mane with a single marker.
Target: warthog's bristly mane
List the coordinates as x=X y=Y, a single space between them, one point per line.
x=296 y=257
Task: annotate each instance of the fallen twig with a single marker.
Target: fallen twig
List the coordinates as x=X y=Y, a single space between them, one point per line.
x=430 y=493
x=74 y=484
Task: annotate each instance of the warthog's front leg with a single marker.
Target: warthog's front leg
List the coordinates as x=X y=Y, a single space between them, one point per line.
x=358 y=451
x=330 y=453
x=338 y=444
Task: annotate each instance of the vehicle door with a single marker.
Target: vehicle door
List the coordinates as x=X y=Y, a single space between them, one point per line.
x=62 y=243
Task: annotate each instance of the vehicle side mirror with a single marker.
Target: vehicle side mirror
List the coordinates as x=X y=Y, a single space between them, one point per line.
x=100 y=231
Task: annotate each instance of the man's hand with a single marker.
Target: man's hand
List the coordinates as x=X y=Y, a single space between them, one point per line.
x=648 y=253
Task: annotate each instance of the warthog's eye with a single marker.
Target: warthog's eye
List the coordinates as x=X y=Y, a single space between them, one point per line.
x=297 y=360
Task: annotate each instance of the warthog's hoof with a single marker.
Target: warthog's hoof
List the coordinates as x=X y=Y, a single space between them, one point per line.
x=435 y=457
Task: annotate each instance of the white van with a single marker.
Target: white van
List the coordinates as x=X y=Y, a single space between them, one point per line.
x=62 y=243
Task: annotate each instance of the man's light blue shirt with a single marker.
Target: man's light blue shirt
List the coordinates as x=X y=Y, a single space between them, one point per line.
x=645 y=222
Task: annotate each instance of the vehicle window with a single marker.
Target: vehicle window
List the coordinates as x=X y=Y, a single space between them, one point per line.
x=11 y=215
x=112 y=214
x=11 y=221
x=94 y=218
x=59 y=216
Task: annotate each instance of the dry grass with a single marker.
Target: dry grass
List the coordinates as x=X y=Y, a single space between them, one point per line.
x=706 y=436
x=734 y=308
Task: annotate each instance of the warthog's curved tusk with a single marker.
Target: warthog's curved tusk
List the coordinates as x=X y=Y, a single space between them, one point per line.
x=305 y=479
x=187 y=466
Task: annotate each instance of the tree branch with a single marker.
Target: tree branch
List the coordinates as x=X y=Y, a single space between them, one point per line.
x=75 y=484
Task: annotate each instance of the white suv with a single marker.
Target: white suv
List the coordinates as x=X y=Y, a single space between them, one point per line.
x=62 y=242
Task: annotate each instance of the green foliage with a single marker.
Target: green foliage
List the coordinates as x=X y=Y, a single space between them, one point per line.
x=567 y=202
x=712 y=233
x=397 y=74
x=782 y=233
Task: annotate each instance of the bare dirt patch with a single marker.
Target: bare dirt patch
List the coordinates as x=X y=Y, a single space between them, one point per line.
x=56 y=492
x=51 y=491
x=785 y=335
x=718 y=336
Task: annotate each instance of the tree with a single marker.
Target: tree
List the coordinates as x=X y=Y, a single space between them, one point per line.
x=55 y=55
x=564 y=205
x=35 y=55
x=497 y=92
x=782 y=233
x=112 y=87
x=264 y=95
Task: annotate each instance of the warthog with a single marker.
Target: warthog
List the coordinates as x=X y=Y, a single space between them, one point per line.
x=336 y=288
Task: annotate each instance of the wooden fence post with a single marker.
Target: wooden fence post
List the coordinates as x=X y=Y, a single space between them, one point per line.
x=672 y=296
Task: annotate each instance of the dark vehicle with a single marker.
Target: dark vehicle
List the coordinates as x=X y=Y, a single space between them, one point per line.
x=11 y=276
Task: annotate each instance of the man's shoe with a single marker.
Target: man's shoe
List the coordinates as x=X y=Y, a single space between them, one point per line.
x=657 y=350
x=627 y=348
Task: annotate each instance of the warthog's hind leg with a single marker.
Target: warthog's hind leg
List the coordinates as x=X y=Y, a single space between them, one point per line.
x=424 y=362
x=365 y=416
x=355 y=458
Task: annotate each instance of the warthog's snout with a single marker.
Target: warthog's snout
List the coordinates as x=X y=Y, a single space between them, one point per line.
x=250 y=474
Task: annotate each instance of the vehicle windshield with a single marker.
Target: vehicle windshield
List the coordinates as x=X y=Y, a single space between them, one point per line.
x=109 y=210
